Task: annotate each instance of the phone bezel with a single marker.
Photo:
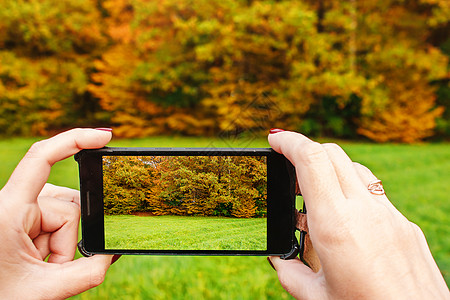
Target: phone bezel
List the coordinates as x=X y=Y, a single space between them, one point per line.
x=280 y=199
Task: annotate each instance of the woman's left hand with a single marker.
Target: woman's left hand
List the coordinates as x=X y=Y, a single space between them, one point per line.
x=38 y=220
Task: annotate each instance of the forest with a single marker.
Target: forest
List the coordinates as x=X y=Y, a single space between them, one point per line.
x=349 y=69
x=224 y=186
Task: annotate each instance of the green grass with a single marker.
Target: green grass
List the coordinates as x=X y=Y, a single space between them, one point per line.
x=184 y=233
x=416 y=179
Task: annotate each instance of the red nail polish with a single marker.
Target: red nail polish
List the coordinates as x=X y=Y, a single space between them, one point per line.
x=271 y=264
x=275 y=130
x=115 y=258
x=104 y=129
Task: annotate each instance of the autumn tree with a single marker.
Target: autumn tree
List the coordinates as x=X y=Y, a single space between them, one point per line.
x=229 y=186
x=393 y=51
x=326 y=67
x=47 y=49
x=128 y=182
x=212 y=186
x=196 y=67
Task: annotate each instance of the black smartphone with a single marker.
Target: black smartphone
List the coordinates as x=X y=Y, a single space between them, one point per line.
x=187 y=201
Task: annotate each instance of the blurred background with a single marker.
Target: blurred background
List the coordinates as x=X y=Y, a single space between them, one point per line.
x=221 y=73
x=347 y=69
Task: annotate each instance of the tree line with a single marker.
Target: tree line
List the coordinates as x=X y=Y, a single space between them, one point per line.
x=228 y=186
x=377 y=69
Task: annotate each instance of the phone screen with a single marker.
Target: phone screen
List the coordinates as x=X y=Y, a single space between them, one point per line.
x=187 y=201
x=165 y=202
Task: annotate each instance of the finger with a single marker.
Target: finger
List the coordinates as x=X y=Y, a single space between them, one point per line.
x=364 y=173
x=349 y=179
x=33 y=170
x=297 y=279
x=62 y=193
x=74 y=277
x=60 y=219
x=316 y=175
x=368 y=177
x=41 y=243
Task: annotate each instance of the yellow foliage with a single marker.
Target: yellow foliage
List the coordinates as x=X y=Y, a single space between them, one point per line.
x=408 y=112
x=223 y=67
x=408 y=120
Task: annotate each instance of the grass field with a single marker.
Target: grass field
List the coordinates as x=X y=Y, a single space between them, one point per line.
x=416 y=179
x=184 y=233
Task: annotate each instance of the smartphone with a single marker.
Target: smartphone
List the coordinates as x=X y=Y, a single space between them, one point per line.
x=187 y=201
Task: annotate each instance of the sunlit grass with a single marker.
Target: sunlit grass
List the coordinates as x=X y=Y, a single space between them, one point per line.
x=184 y=233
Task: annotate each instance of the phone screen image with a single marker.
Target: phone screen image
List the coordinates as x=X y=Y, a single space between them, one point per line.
x=167 y=202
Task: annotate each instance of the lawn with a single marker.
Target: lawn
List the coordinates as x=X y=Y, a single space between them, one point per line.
x=416 y=179
x=184 y=233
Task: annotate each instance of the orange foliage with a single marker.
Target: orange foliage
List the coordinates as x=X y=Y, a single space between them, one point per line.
x=217 y=67
x=47 y=50
x=232 y=186
x=223 y=67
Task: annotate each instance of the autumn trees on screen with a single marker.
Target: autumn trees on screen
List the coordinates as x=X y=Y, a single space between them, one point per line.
x=323 y=67
x=229 y=186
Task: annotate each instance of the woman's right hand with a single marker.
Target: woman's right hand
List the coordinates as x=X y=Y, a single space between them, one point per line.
x=367 y=248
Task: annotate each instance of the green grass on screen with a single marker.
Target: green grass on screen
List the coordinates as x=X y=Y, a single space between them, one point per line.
x=184 y=233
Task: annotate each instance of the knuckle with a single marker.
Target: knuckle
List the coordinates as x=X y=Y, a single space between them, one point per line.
x=416 y=230
x=74 y=212
x=359 y=166
x=311 y=153
x=36 y=149
x=406 y=233
x=335 y=152
x=282 y=276
x=335 y=233
x=69 y=213
x=97 y=276
x=76 y=131
x=332 y=147
x=399 y=230
x=362 y=168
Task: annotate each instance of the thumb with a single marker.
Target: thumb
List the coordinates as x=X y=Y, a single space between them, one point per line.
x=74 y=277
x=299 y=280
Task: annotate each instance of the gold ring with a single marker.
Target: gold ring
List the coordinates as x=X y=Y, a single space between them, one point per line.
x=376 y=188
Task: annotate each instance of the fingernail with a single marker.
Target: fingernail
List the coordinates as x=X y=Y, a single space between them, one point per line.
x=115 y=258
x=104 y=129
x=270 y=263
x=275 y=130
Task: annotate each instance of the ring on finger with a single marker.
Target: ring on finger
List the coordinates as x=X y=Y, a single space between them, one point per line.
x=376 y=188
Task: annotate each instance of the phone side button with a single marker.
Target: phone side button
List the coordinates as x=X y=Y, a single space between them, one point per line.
x=88 y=203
